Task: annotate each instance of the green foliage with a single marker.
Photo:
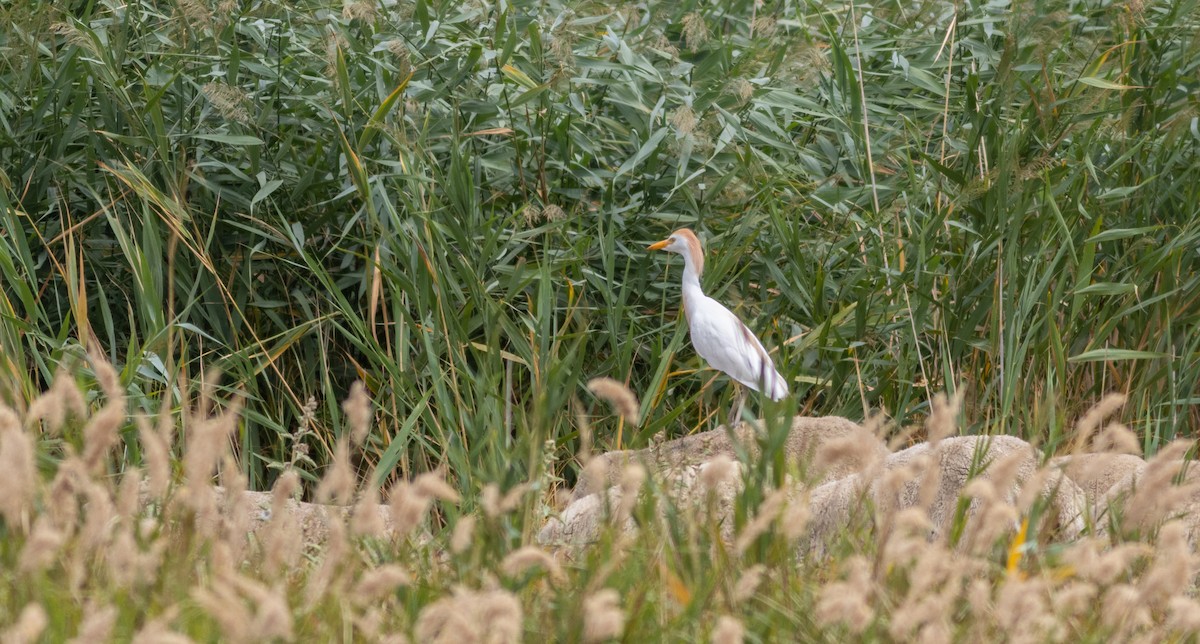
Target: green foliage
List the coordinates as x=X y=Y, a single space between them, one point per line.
x=450 y=201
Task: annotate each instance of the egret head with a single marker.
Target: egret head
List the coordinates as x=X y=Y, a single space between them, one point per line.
x=684 y=242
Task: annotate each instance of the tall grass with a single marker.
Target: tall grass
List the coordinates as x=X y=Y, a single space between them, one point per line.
x=449 y=202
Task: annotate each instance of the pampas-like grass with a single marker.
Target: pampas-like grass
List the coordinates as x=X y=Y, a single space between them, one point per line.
x=767 y=512
x=496 y=504
x=28 y=626
x=619 y=396
x=282 y=538
x=359 y=413
x=1155 y=495
x=927 y=523
x=365 y=519
x=848 y=602
x=603 y=617
x=18 y=471
x=520 y=561
x=728 y=631
x=157 y=630
x=97 y=624
x=463 y=535
x=338 y=485
x=492 y=616
x=61 y=401
x=380 y=581
x=748 y=583
x=41 y=547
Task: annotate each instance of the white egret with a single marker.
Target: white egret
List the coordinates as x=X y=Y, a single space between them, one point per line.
x=717 y=334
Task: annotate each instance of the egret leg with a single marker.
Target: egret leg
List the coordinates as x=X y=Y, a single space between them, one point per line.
x=739 y=403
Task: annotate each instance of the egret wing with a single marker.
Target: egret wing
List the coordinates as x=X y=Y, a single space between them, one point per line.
x=727 y=344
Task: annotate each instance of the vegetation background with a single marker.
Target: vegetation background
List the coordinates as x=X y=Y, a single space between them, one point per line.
x=449 y=201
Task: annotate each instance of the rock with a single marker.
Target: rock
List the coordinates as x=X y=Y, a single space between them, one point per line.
x=1096 y=474
x=1005 y=461
x=1165 y=488
x=991 y=471
x=678 y=455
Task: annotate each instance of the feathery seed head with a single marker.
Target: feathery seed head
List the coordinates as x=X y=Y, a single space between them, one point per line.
x=684 y=120
x=100 y=514
x=464 y=532
x=695 y=32
x=158 y=631
x=359 y=412
x=490 y=500
x=794 y=522
x=728 y=631
x=717 y=471
x=434 y=486
x=1118 y=439
x=1020 y=606
x=28 y=627
x=195 y=11
x=499 y=611
x=97 y=624
x=1090 y=422
x=339 y=482
x=848 y=602
x=74 y=36
x=100 y=432
x=128 y=496
x=18 y=468
x=399 y=49
x=491 y=616
x=365 y=520
x=1106 y=567
x=770 y=508
x=41 y=547
x=408 y=507
x=748 y=583
x=283 y=541
x=594 y=476
x=603 y=617
x=1173 y=568
x=855 y=449
x=943 y=417
x=223 y=604
x=618 y=395
x=1156 y=495
x=53 y=406
x=379 y=582
x=359 y=10
x=632 y=478
x=741 y=88
x=229 y=101
x=765 y=27
x=286 y=487
x=1183 y=615
x=1074 y=598
x=521 y=560
x=1121 y=608
x=156 y=453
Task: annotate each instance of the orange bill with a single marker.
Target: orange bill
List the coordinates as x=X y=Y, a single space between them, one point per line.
x=659 y=245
